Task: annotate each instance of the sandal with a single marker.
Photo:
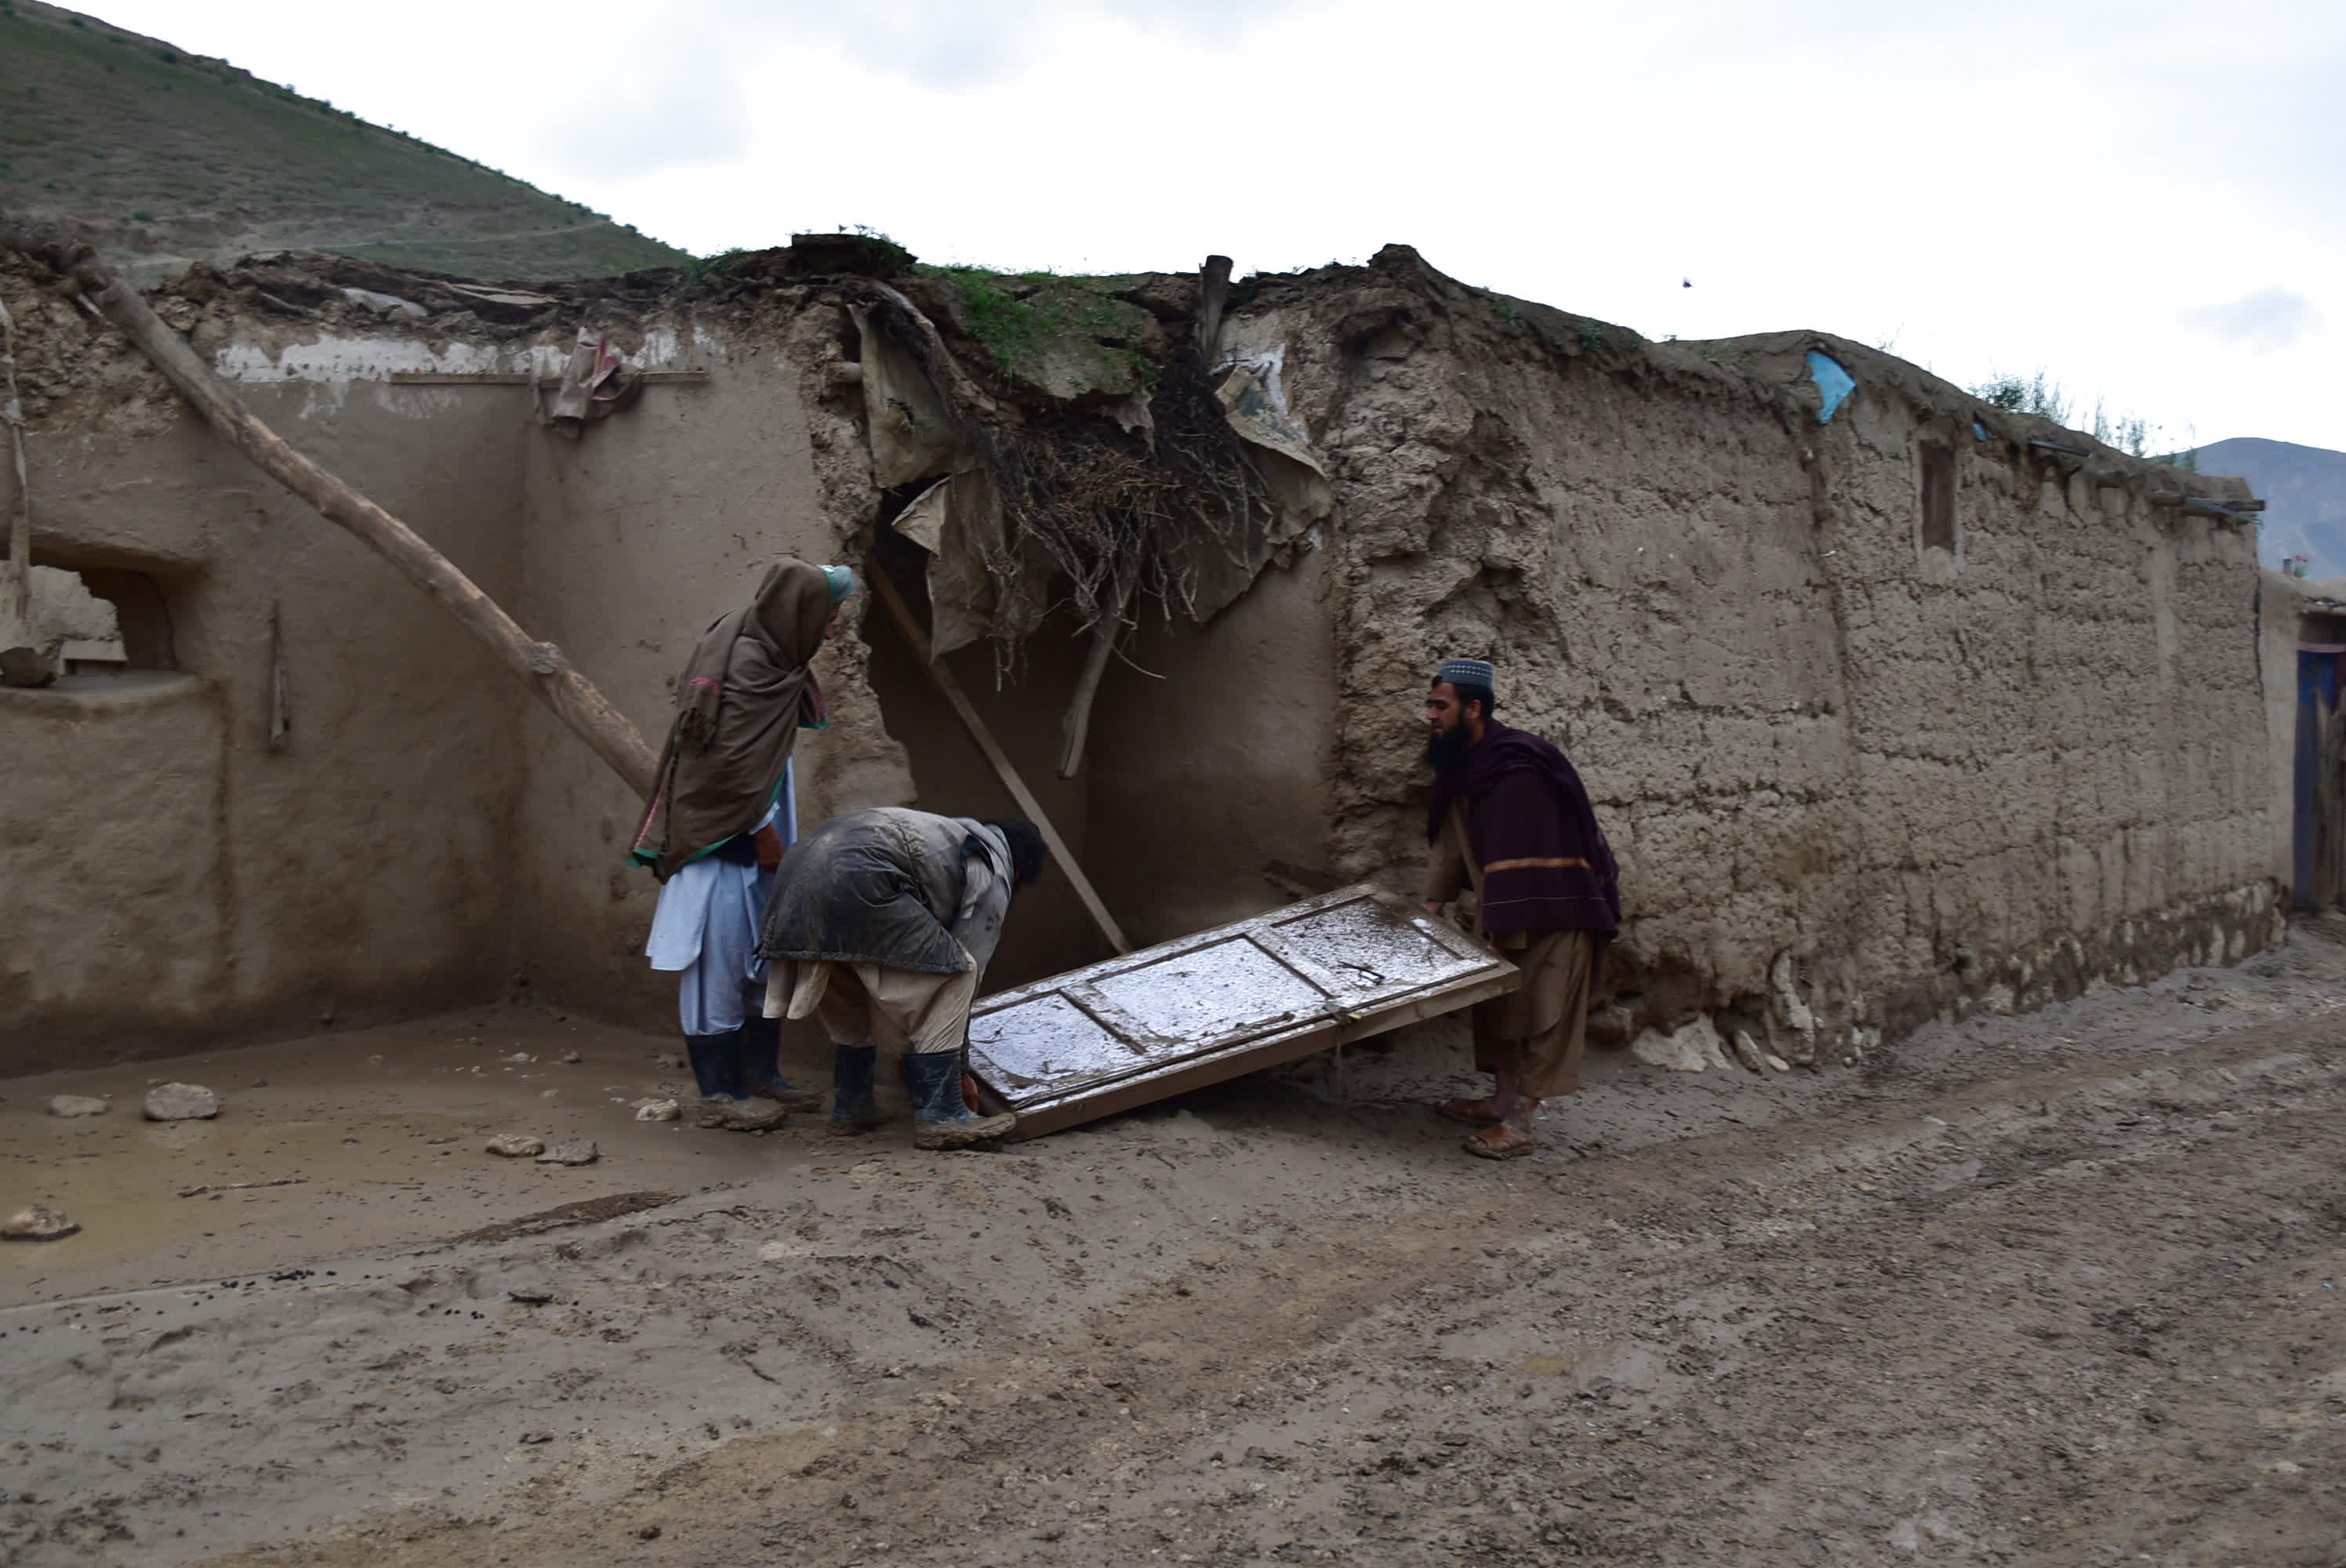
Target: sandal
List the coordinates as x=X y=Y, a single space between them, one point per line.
x=1500 y=1142
x=1474 y=1112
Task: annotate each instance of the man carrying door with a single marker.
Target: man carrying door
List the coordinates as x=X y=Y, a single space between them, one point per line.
x=1508 y=817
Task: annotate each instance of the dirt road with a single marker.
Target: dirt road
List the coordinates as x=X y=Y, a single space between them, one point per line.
x=2058 y=1290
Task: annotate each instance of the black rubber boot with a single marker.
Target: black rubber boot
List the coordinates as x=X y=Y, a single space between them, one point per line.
x=761 y=1068
x=725 y=1101
x=717 y=1064
x=941 y=1118
x=852 y=1109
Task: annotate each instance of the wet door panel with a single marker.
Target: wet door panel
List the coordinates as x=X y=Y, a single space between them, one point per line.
x=1242 y=997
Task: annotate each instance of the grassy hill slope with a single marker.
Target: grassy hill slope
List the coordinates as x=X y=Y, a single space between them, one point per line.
x=163 y=158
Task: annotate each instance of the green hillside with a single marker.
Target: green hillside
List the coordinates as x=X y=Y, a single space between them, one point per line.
x=162 y=157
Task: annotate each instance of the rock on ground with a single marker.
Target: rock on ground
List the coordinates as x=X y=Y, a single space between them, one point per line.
x=78 y=1105
x=182 y=1103
x=576 y=1152
x=657 y=1111
x=1690 y=1048
x=37 y=1223
x=516 y=1145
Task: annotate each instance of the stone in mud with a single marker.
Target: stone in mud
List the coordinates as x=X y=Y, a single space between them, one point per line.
x=39 y=1223
x=1690 y=1049
x=182 y=1103
x=657 y=1110
x=1747 y=1052
x=78 y=1105
x=576 y=1152
x=516 y=1145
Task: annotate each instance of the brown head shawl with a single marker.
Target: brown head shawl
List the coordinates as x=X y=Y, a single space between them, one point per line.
x=745 y=695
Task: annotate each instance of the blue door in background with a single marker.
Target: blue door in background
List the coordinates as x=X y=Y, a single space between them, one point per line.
x=2317 y=699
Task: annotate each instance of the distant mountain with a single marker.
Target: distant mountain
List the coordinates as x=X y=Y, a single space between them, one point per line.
x=2304 y=492
x=162 y=157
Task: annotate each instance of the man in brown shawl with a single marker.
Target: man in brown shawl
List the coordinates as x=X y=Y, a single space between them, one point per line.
x=720 y=815
x=1508 y=817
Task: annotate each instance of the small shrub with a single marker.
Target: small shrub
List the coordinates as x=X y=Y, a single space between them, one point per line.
x=1592 y=335
x=2035 y=395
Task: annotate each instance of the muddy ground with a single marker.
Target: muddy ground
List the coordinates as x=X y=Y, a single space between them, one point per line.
x=2056 y=1290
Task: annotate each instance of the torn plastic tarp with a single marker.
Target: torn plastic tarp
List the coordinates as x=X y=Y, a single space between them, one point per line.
x=1261 y=418
x=1834 y=383
x=912 y=437
x=958 y=521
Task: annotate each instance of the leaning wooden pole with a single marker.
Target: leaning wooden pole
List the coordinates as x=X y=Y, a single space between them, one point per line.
x=902 y=613
x=539 y=666
x=17 y=586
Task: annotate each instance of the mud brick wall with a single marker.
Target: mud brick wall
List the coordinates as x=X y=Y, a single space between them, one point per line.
x=1847 y=772
x=1932 y=779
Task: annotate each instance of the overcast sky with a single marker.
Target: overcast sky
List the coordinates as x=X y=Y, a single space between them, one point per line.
x=2147 y=200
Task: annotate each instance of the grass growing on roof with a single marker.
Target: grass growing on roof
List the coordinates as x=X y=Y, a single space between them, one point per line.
x=1021 y=317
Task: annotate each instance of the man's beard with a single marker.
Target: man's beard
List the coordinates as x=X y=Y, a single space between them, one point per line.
x=1446 y=749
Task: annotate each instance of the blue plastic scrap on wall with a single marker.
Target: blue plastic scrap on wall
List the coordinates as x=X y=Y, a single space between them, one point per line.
x=1834 y=383
x=1979 y=430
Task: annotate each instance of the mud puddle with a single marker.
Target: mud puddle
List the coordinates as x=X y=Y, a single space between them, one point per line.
x=341 y=1145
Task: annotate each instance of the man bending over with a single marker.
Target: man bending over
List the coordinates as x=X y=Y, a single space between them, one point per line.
x=1508 y=817
x=881 y=923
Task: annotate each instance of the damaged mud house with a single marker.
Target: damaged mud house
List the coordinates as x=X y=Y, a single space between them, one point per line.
x=1956 y=1175
x=1894 y=705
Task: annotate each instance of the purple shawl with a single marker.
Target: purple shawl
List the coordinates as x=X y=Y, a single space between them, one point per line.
x=1544 y=862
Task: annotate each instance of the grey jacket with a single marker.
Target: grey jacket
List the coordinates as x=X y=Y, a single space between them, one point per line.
x=910 y=890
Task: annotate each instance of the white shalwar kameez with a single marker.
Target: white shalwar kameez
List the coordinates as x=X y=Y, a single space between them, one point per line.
x=706 y=928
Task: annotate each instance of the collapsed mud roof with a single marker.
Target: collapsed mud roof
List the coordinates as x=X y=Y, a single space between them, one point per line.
x=1893 y=702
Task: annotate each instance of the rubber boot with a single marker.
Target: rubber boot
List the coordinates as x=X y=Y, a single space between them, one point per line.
x=761 y=1066
x=852 y=1108
x=725 y=1100
x=941 y=1120
x=715 y=1064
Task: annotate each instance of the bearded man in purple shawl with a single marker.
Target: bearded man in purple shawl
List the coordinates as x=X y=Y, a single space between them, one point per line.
x=1508 y=817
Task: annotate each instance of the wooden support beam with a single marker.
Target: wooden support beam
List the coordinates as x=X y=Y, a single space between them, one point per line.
x=500 y=379
x=1213 y=297
x=539 y=666
x=16 y=585
x=902 y=613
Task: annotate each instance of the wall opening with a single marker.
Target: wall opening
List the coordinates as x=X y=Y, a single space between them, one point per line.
x=141 y=614
x=87 y=625
x=1937 y=479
